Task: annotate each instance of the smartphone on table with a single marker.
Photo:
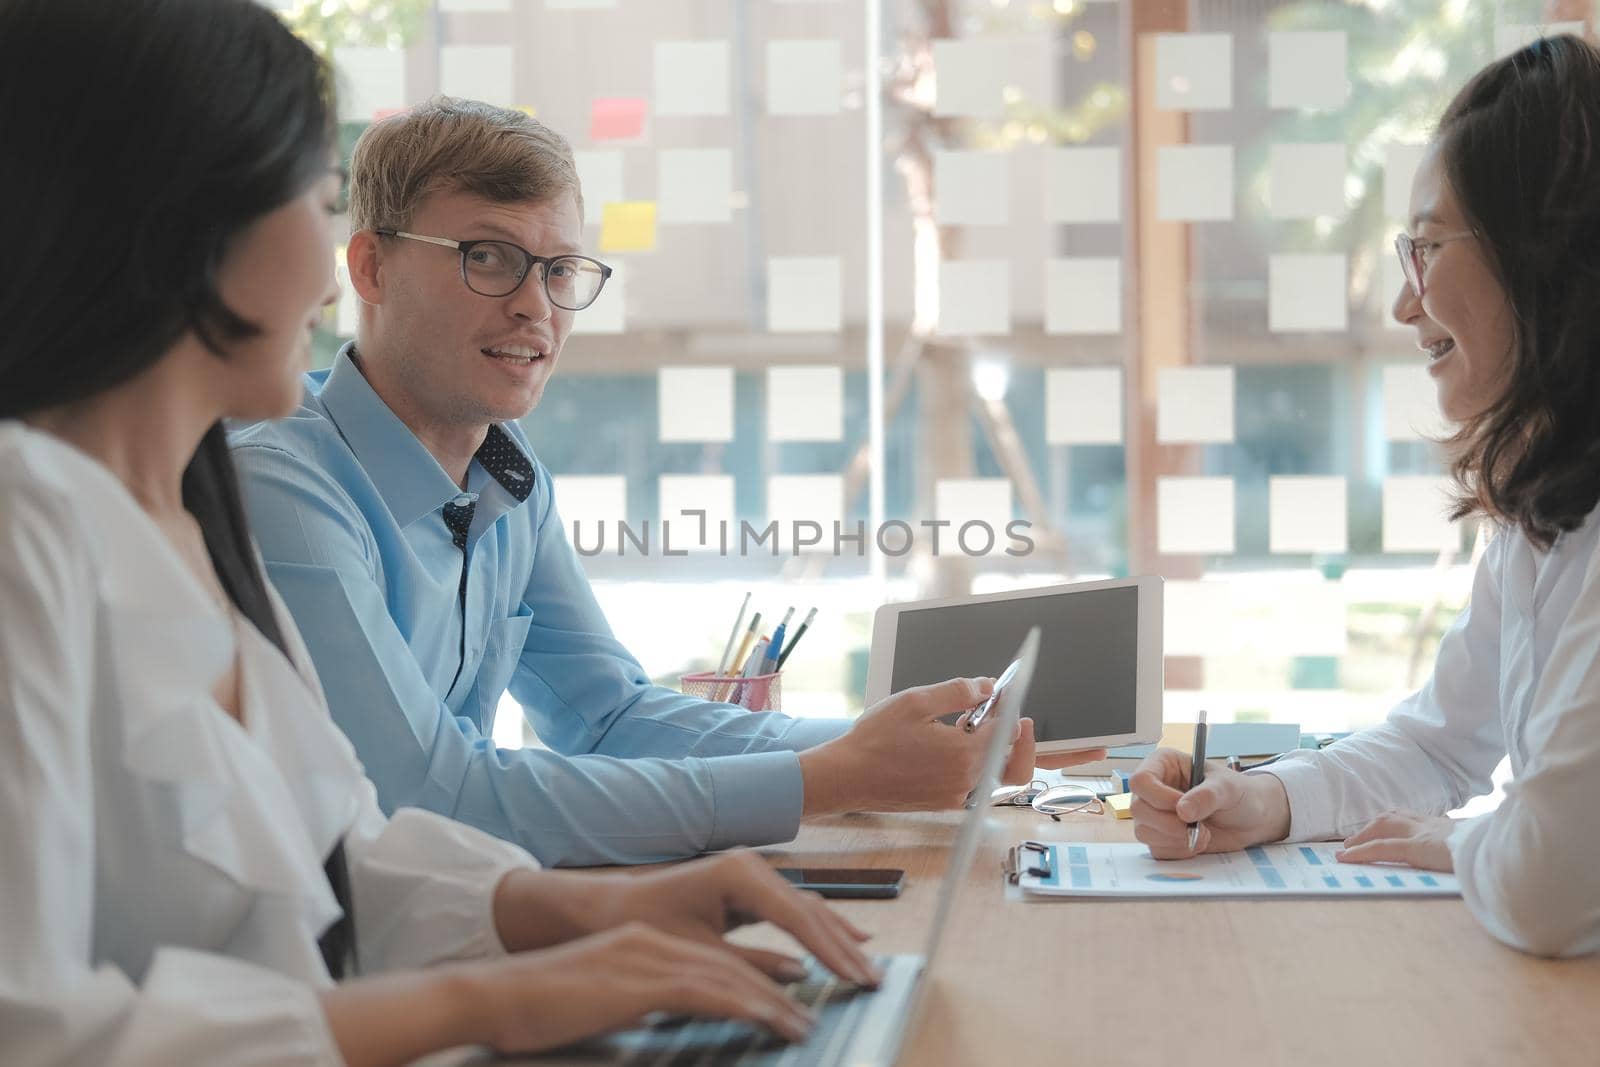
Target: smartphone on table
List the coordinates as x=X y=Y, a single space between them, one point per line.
x=869 y=883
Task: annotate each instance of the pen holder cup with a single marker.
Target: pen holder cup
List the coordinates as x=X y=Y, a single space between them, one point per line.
x=760 y=693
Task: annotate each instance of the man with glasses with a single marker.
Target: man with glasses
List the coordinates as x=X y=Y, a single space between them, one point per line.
x=415 y=538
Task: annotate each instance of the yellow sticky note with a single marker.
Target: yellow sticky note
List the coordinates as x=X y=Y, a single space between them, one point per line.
x=528 y=110
x=628 y=226
x=1122 y=805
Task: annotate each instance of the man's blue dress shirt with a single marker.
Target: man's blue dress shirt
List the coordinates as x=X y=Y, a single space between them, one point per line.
x=348 y=508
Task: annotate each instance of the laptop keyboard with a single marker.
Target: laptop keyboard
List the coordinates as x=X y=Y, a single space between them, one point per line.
x=681 y=1042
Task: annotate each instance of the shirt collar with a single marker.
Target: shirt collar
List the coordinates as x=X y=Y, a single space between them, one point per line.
x=407 y=477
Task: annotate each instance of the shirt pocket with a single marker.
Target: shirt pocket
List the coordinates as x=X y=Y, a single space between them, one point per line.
x=501 y=651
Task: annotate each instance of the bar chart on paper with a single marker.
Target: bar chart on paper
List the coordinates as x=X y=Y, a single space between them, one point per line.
x=1127 y=871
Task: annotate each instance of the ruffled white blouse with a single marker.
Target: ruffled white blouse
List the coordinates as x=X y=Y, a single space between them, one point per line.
x=161 y=865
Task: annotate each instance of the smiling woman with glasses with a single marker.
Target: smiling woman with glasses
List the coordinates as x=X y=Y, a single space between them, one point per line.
x=1502 y=292
x=498 y=268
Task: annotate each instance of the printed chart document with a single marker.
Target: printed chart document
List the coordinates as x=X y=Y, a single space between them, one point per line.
x=1127 y=871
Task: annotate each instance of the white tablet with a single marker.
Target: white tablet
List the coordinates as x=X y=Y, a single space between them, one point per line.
x=1099 y=676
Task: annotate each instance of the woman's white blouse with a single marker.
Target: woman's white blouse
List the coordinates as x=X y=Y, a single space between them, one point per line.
x=1519 y=674
x=161 y=866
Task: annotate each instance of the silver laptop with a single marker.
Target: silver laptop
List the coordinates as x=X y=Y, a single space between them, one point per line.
x=859 y=1027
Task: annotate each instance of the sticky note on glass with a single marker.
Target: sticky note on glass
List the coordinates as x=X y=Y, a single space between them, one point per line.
x=694 y=185
x=600 y=178
x=804 y=294
x=804 y=77
x=969 y=79
x=695 y=403
x=1400 y=162
x=805 y=404
x=1083 y=185
x=585 y=502
x=1411 y=403
x=691 y=78
x=1083 y=406
x=1083 y=295
x=974 y=297
x=1194 y=71
x=370 y=80
x=578 y=5
x=609 y=312
x=477 y=72
x=1194 y=183
x=1306 y=181
x=1308 y=513
x=1299 y=616
x=1198 y=618
x=629 y=226
x=814 y=499
x=1416 y=514
x=971 y=188
x=985 y=503
x=682 y=494
x=1307 y=69
x=1194 y=516
x=1510 y=37
x=617 y=118
x=1307 y=293
x=1194 y=405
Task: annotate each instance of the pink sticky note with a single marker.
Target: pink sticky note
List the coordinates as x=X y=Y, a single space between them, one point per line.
x=617 y=118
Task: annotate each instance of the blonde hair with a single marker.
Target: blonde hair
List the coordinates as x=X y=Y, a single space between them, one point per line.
x=493 y=152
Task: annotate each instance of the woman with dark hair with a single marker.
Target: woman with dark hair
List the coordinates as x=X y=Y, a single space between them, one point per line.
x=189 y=850
x=1502 y=266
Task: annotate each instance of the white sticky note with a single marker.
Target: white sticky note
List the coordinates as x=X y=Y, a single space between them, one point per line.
x=591 y=507
x=804 y=294
x=978 y=511
x=1411 y=403
x=1394 y=278
x=578 y=5
x=1194 y=71
x=1083 y=406
x=1198 y=619
x=682 y=496
x=1194 y=183
x=691 y=78
x=1400 y=163
x=1416 y=514
x=1306 y=180
x=971 y=188
x=796 y=501
x=370 y=80
x=1307 y=293
x=1083 y=295
x=609 y=312
x=446 y=6
x=694 y=185
x=1194 y=516
x=1194 y=405
x=969 y=79
x=477 y=72
x=1304 y=617
x=1308 y=513
x=695 y=403
x=600 y=178
x=1083 y=185
x=804 y=77
x=974 y=297
x=805 y=403
x=1308 y=69
x=1511 y=36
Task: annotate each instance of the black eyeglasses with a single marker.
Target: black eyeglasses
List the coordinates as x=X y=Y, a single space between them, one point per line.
x=498 y=268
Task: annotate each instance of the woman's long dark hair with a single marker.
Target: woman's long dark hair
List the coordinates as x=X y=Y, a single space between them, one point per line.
x=140 y=138
x=1520 y=145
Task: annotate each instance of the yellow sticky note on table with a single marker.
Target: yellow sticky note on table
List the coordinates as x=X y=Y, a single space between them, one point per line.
x=628 y=226
x=1121 y=804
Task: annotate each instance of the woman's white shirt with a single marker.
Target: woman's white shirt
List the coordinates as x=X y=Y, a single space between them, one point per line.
x=1517 y=674
x=161 y=863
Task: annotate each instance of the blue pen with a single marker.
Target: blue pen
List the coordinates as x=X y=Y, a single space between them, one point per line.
x=775 y=646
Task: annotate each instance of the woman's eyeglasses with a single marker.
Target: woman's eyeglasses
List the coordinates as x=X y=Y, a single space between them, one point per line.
x=1414 y=252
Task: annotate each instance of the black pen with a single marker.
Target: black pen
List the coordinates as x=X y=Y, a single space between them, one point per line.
x=1197 y=772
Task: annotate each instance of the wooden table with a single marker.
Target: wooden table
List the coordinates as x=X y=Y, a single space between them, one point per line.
x=1018 y=984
